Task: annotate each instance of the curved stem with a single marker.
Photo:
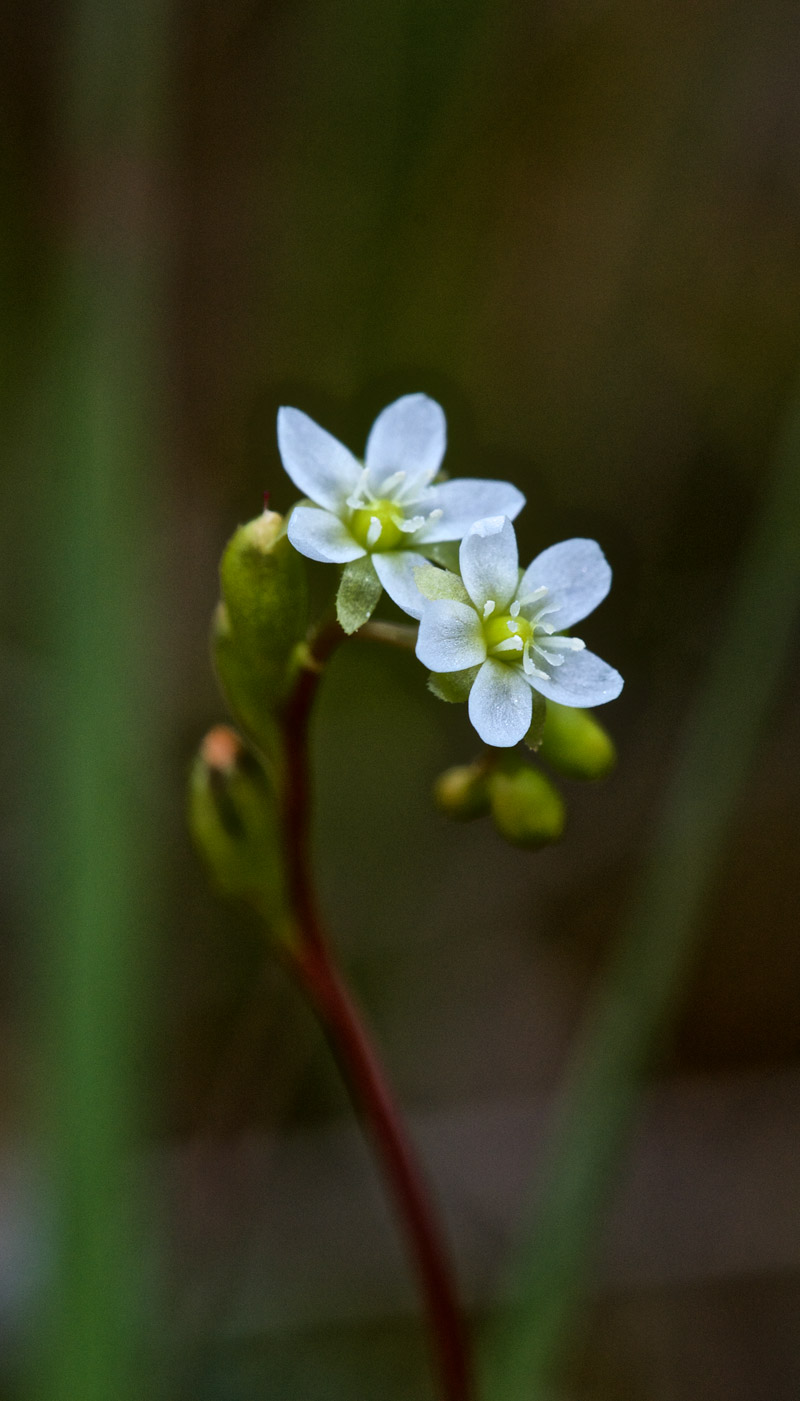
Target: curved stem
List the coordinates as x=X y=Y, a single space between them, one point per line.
x=314 y=966
x=374 y=1103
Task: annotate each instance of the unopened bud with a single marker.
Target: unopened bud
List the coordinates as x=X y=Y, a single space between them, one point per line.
x=462 y=792
x=261 y=620
x=576 y=744
x=526 y=808
x=234 y=822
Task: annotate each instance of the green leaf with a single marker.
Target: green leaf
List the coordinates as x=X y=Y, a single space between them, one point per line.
x=436 y=583
x=453 y=686
x=534 y=736
x=358 y=594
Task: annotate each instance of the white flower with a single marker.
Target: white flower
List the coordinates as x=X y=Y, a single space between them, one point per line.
x=385 y=512
x=501 y=632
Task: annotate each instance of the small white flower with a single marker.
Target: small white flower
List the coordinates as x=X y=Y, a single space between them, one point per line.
x=503 y=634
x=385 y=511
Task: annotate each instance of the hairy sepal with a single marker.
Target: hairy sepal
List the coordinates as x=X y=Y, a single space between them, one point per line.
x=436 y=583
x=452 y=686
x=359 y=591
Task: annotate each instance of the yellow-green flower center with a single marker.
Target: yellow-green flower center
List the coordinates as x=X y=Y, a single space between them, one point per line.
x=501 y=629
x=386 y=534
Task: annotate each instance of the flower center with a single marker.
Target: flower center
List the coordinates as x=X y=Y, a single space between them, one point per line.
x=506 y=636
x=376 y=526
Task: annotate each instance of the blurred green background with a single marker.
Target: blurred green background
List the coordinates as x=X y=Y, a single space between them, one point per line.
x=577 y=226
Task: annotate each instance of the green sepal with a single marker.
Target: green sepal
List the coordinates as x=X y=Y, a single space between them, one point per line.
x=576 y=744
x=453 y=686
x=445 y=553
x=462 y=792
x=261 y=620
x=436 y=583
x=526 y=809
x=234 y=820
x=359 y=591
x=533 y=738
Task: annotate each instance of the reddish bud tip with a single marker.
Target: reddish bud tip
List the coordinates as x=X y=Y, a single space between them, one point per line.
x=221 y=749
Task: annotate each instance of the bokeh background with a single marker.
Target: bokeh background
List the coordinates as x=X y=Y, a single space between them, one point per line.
x=576 y=225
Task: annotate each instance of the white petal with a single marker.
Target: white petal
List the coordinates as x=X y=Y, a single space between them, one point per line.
x=582 y=679
x=410 y=436
x=576 y=573
x=490 y=562
x=318 y=534
x=500 y=704
x=464 y=501
x=321 y=466
x=450 y=636
x=395 y=569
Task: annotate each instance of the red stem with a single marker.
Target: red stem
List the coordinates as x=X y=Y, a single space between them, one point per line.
x=315 y=968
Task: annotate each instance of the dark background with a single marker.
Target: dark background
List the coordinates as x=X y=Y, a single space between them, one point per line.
x=575 y=225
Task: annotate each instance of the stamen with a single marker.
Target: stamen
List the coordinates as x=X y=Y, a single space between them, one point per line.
x=409 y=526
x=512 y=626
x=546 y=628
x=435 y=515
x=373 y=532
x=566 y=644
x=529 y=666
x=488 y=607
x=511 y=644
x=552 y=658
x=360 y=496
x=514 y=609
x=391 y=483
x=533 y=597
x=415 y=489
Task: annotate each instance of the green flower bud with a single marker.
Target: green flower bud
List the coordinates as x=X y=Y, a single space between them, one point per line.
x=233 y=818
x=526 y=809
x=575 y=744
x=462 y=792
x=258 y=626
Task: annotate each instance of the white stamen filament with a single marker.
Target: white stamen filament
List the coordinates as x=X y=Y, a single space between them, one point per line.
x=514 y=609
x=488 y=607
x=392 y=483
x=511 y=644
x=529 y=666
x=566 y=644
x=533 y=597
x=409 y=526
x=361 y=496
x=373 y=532
x=552 y=658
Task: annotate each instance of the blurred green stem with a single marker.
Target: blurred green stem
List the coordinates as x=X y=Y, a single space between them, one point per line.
x=100 y=750
x=649 y=967
x=313 y=963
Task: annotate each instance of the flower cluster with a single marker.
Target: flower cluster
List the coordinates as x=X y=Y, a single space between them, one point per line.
x=491 y=634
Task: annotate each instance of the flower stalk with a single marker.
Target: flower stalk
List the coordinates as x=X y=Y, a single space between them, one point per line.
x=312 y=962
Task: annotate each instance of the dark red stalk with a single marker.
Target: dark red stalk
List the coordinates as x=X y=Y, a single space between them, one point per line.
x=314 y=966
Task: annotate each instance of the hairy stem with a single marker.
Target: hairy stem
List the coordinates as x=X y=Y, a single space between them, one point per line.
x=313 y=964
